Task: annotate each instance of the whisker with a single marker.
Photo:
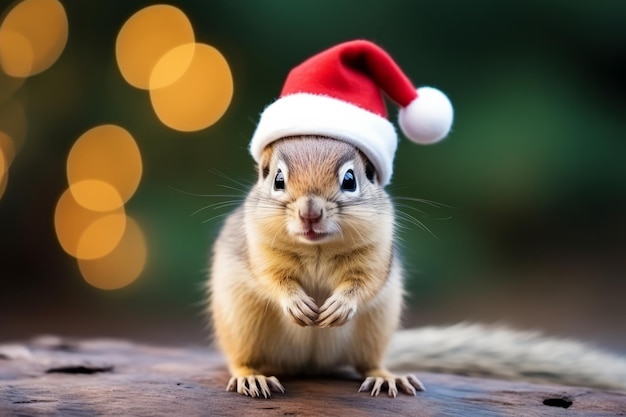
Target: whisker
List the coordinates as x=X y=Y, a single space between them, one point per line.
x=201 y=195
x=411 y=219
x=216 y=206
x=431 y=203
x=214 y=217
x=246 y=185
x=422 y=212
x=229 y=187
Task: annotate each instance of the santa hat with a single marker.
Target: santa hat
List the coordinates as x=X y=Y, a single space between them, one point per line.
x=338 y=93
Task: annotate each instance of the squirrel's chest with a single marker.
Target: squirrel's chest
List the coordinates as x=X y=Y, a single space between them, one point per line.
x=318 y=277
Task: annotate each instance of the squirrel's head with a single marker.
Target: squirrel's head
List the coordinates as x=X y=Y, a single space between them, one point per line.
x=317 y=190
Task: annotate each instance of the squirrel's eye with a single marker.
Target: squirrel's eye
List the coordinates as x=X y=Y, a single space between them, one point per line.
x=279 y=181
x=349 y=181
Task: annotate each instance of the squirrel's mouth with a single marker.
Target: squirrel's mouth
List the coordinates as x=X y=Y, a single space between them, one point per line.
x=313 y=236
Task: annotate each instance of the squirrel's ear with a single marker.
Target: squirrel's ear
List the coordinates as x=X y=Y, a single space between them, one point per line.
x=264 y=171
x=370 y=172
x=264 y=163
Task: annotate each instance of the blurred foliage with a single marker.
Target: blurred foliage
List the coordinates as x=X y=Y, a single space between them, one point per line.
x=533 y=171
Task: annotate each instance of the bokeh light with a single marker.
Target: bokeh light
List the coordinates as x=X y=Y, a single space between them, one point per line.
x=7 y=152
x=8 y=85
x=108 y=154
x=32 y=37
x=120 y=267
x=3 y=164
x=3 y=172
x=146 y=37
x=101 y=236
x=85 y=234
x=7 y=149
x=13 y=127
x=3 y=183
x=16 y=54
x=96 y=195
x=200 y=96
x=103 y=169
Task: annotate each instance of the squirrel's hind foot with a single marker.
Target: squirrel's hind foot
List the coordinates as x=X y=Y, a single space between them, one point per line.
x=375 y=380
x=255 y=385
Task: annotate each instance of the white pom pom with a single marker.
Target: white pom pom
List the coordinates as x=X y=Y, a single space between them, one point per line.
x=428 y=118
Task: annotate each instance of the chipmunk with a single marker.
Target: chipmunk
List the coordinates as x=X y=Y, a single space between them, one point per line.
x=305 y=275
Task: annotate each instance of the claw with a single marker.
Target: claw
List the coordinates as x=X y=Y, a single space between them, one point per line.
x=412 y=383
x=408 y=384
x=255 y=386
x=377 y=385
x=276 y=385
x=336 y=311
x=301 y=309
x=393 y=390
x=366 y=385
x=232 y=384
x=253 y=389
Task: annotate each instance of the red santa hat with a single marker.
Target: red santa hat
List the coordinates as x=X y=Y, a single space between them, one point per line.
x=338 y=93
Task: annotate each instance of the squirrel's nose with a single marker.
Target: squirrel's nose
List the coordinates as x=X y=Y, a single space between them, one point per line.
x=310 y=214
x=310 y=209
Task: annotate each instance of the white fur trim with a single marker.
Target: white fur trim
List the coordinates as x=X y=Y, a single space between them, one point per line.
x=310 y=114
x=428 y=118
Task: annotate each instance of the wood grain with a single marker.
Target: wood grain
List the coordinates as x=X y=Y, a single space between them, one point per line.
x=50 y=376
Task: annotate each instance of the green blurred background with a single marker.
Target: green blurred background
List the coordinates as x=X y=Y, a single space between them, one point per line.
x=533 y=179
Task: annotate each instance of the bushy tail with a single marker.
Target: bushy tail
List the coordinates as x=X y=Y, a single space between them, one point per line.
x=499 y=352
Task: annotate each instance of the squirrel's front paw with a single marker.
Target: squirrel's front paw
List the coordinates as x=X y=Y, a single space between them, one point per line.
x=336 y=311
x=301 y=309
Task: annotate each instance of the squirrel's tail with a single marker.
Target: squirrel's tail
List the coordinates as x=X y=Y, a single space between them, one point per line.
x=499 y=352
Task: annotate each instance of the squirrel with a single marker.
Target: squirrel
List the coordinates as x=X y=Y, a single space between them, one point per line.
x=306 y=277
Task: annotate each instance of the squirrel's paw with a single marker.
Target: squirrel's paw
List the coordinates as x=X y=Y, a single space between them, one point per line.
x=336 y=311
x=409 y=384
x=301 y=309
x=255 y=385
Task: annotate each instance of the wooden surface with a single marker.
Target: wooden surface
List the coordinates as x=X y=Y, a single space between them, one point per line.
x=49 y=376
